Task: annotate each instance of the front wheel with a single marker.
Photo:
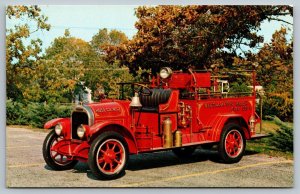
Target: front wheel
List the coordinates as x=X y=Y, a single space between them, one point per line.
x=232 y=144
x=54 y=159
x=108 y=156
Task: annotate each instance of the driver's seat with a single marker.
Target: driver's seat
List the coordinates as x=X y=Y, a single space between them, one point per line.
x=151 y=103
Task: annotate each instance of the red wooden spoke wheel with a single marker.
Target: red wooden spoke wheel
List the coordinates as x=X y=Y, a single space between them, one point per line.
x=111 y=156
x=58 y=158
x=108 y=155
x=55 y=160
x=232 y=143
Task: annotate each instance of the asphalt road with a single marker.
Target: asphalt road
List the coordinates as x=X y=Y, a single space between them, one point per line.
x=25 y=167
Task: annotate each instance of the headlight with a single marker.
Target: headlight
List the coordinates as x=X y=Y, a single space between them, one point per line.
x=81 y=131
x=165 y=72
x=58 y=129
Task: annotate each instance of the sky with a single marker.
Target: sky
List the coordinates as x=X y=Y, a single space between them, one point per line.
x=84 y=21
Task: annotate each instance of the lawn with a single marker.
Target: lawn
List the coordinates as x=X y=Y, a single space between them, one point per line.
x=263 y=145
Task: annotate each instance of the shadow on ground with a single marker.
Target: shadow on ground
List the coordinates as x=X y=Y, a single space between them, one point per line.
x=158 y=159
x=167 y=158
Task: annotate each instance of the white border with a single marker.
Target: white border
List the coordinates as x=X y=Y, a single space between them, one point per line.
x=3 y=3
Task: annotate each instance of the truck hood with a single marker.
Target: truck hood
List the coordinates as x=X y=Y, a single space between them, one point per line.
x=110 y=109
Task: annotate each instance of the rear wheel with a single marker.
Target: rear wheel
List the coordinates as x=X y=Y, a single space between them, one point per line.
x=184 y=152
x=108 y=156
x=232 y=144
x=54 y=159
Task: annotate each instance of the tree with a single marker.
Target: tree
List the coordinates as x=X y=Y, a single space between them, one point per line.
x=275 y=73
x=63 y=67
x=104 y=73
x=180 y=36
x=275 y=63
x=105 y=38
x=21 y=56
x=71 y=64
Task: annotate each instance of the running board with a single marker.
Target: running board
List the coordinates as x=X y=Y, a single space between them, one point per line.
x=259 y=136
x=184 y=145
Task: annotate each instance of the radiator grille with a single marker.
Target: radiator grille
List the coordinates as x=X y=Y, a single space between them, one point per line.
x=78 y=118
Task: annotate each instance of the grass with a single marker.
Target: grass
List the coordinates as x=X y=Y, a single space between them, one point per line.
x=263 y=146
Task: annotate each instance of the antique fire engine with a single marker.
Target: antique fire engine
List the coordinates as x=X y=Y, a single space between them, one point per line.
x=176 y=111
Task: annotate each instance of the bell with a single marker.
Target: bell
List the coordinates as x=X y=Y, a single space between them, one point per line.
x=135 y=102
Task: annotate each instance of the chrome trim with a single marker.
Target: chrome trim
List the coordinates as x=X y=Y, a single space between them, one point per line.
x=85 y=109
x=90 y=114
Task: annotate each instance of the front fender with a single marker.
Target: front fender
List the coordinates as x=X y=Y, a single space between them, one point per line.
x=101 y=127
x=66 y=122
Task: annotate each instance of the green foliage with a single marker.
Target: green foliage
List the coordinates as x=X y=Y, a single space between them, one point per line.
x=175 y=36
x=105 y=38
x=282 y=139
x=15 y=113
x=203 y=36
x=106 y=74
x=21 y=57
x=34 y=114
x=239 y=86
x=71 y=61
x=275 y=73
x=279 y=104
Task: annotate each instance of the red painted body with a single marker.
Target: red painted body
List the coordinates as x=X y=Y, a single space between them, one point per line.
x=200 y=117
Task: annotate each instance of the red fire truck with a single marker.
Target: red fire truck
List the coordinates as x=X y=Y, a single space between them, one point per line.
x=176 y=111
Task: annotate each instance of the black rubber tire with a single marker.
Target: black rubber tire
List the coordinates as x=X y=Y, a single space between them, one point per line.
x=92 y=160
x=184 y=152
x=47 y=155
x=225 y=157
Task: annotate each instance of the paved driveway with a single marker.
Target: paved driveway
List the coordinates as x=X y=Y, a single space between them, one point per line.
x=25 y=167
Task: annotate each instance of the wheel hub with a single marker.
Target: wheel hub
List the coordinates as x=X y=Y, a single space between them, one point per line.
x=109 y=156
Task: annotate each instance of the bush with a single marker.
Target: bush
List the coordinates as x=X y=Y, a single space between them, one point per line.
x=280 y=105
x=239 y=87
x=282 y=139
x=15 y=113
x=34 y=114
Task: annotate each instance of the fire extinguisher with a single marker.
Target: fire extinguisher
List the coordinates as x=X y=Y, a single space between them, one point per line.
x=167 y=133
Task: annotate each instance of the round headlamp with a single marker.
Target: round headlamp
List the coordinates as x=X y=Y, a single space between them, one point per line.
x=58 y=129
x=81 y=131
x=165 y=72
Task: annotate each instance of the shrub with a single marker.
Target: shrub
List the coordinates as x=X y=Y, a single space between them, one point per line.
x=279 y=104
x=34 y=114
x=282 y=139
x=239 y=87
x=15 y=114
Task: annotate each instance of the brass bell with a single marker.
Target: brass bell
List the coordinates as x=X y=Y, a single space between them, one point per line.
x=135 y=102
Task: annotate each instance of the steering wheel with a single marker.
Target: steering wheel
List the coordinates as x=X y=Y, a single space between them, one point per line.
x=141 y=91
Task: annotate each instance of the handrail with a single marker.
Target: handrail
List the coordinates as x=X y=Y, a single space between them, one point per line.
x=212 y=93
